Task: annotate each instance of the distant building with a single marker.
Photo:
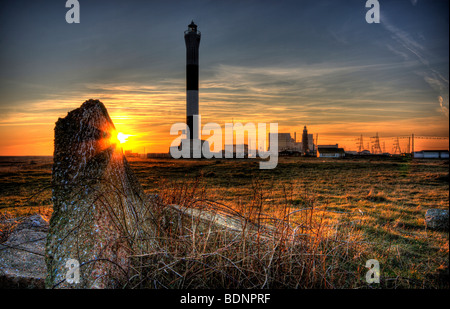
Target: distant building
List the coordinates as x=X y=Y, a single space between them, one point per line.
x=235 y=148
x=305 y=141
x=130 y=154
x=190 y=144
x=335 y=146
x=289 y=146
x=307 y=144
x=431 y=154
x=330 y=151
x=286 y=143
x=158 y=155
x=352 y=153
x=311 y=145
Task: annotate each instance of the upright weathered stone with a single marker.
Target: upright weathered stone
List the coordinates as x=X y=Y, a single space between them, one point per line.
x=99 y=205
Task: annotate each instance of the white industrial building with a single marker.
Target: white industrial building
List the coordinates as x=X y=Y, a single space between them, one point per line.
x=431 y=154
x=330 y=151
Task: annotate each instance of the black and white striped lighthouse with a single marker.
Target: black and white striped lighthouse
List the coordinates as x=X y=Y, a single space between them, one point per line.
x=192 y=40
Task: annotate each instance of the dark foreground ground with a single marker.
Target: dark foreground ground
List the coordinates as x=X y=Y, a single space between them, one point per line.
x=387 y=198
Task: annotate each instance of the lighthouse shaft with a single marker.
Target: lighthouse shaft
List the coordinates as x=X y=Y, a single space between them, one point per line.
x=192 y=40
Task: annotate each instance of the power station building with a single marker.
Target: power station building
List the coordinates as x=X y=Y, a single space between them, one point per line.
x=287 y=144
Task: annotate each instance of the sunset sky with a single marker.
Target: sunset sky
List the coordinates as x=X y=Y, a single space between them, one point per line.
x=314 y=63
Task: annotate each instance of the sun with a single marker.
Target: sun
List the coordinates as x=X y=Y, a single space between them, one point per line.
x=118 y=137
x=122 y=138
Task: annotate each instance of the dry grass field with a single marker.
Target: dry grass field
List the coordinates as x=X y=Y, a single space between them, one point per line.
x=348 y=211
